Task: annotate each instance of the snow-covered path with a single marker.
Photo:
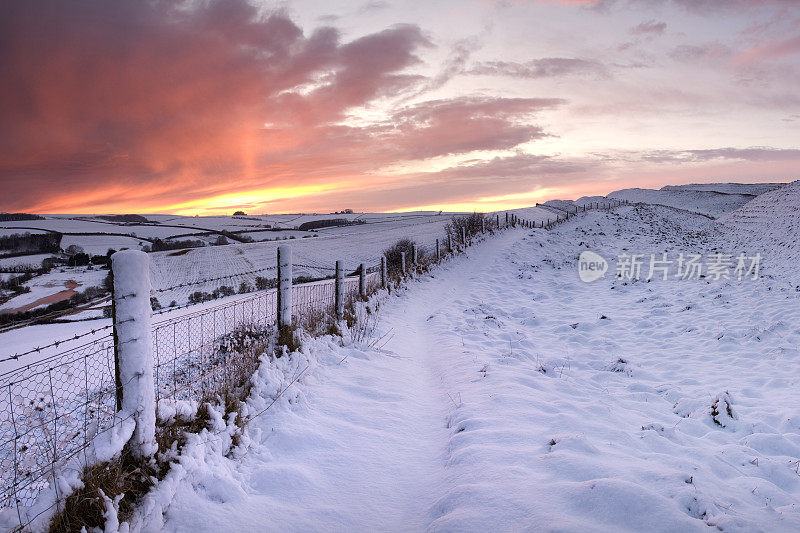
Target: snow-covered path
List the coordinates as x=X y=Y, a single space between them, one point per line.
x=511 y=396
x=366 y=449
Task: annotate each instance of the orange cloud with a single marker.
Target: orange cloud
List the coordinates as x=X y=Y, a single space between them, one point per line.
x=152 y=106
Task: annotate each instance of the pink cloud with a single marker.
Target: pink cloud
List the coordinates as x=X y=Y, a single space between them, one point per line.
x=770 y=50
x=141 y=104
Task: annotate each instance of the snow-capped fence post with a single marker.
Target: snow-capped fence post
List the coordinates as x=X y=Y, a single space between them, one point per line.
x=483 y=225
x=117 y=378
x=284 y=286
x=506 y=219
x=449 y=244
x=437 y=250
x=498 y=221
x=464 y=236
x=362 y=280
x=414 y=256
x=403 y=263
x=383 y=272
x=133 y=347
x=339 y=290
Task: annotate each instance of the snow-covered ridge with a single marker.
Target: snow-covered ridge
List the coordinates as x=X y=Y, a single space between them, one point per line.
x=705 y=202
x=769 y=225
x=727 y=188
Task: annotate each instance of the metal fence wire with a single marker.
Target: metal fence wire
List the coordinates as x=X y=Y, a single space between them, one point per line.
x=312 y=299
x=52 y=409
x=204 y=354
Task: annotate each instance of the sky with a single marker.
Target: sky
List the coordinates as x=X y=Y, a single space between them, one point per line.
x=207 y=107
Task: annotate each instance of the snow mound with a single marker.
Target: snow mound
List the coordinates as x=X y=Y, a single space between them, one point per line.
x=709 y=203
x=586 y=200
x=564 y=205
x=769 y=225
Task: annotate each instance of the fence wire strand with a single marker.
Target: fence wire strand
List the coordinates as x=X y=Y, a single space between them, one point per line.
x=52 y=409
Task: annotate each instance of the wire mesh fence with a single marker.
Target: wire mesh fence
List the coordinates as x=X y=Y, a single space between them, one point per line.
x=373 y=281
x=207 y=353
x=50 y=411
x=312 y=299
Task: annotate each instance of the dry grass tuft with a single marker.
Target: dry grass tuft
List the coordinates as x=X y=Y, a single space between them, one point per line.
x=85 y=508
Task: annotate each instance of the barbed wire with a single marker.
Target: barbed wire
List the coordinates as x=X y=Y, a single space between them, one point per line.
x=314 y=267
x=54 y=314
x=58 y=343
x=601 y=206
x=209 y=280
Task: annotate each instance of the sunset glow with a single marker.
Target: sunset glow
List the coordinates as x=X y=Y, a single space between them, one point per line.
x=272 y=107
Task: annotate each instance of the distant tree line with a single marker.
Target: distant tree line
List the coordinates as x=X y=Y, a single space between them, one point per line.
x=15 y=285
x=10 y=217
x=328 y=222
x=161 y=245
x=30 y=243
x=125 y=218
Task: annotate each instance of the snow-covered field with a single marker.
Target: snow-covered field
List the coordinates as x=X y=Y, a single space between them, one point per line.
x=317 y=250
x=56 y=281
x=100 y=244
x=502 y=393
x=312 y=256
x=33 y=260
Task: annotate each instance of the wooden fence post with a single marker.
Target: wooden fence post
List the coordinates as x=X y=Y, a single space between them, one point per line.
x=339 y=290
x=383 y=272
x=133 y=338
x=449 y=244
x=362 y=280
x=284 y=286
x=117 y=378
x=437 y=250
x=498 y=221
x=403 y=263
x=483 y=225
x=464 y=236
x=413 y=256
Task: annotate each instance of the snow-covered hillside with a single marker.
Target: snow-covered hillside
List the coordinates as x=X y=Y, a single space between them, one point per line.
x=505 y=394
x=727 y=188
x=313 y=256
x=769 y=225
x=706 y=202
